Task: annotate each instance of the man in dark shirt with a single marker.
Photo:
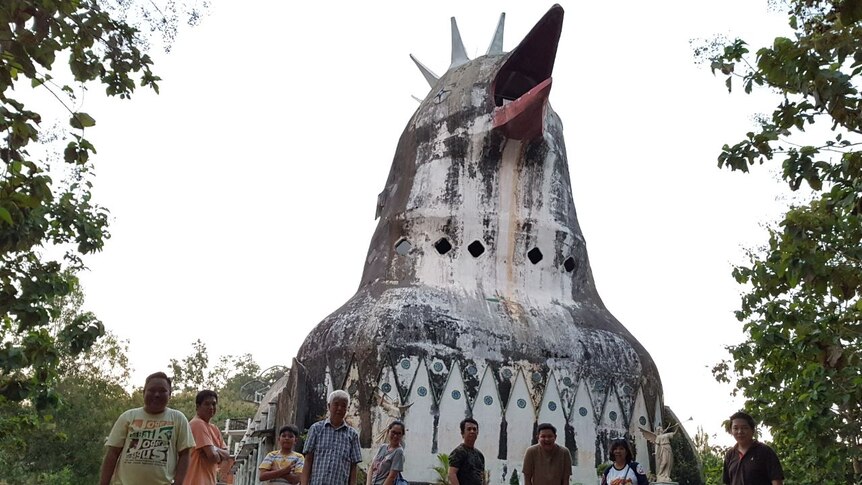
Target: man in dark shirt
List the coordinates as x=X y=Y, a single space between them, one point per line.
x=466 y=463
x=750 y=462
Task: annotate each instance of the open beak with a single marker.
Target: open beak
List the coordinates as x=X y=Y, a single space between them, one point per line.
x=522 y=85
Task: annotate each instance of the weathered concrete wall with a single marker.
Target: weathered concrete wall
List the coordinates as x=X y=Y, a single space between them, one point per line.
x=477 y=296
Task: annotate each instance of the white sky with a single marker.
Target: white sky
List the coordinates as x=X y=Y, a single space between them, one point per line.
x=243 y=196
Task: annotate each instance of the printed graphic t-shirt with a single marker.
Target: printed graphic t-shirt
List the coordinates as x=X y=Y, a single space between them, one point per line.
x=150 y=443
x=626 y=476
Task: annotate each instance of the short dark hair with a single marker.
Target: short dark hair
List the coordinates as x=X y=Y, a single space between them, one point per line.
x=289 y=428
x=157 y=375
x=203 y=395
x=741 y=415
x=544 y=426
x=397 y=422
x=465 y=421
x=621 y=443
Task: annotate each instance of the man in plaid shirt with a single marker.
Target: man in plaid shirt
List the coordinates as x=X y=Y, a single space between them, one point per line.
x=332 y=447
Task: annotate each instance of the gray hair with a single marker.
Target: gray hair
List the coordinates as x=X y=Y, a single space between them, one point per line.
x=338 y=394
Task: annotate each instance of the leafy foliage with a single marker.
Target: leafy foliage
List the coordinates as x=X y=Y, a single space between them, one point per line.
x=686 y=468
x=711 y=458
x=90 y=395
x=799 y=366
x=193 y=373
x=48 y=226
x=442 y=469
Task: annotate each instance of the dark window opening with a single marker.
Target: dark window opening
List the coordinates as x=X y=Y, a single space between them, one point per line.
x=403 y=247
x=476 y=249
x=535 y=255
x=442 y=246
x=569 y=264
x=512 y=85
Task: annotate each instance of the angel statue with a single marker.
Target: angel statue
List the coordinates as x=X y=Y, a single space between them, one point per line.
x=663 y=453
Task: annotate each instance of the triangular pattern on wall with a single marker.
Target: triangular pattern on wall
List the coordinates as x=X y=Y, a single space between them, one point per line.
x=520 y=418
x=536 y=376
x=567 y=384
x=582 y=405
x=472 y=373
x=386 y=393
x=551 y=409
x=488 y=410
x=453 y=408
x=505 y=377
x=351 y=385
x=338 y=368
x=656 y=419
x=439 y=370
x=640 y=419
x=405 y=372
x=612 y=413
x=626 y=394
x=599 y=389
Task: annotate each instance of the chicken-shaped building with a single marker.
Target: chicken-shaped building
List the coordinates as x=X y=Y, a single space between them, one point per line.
x=477 y=297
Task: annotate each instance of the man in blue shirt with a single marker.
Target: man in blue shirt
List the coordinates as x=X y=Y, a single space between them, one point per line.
x=332 y=447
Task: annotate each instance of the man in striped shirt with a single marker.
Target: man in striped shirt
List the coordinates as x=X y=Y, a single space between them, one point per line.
x=332 y=447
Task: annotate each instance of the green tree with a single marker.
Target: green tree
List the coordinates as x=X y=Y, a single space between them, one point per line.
x=91 y=394
x=47 y=226
x=193 y=373
x=799 y=366
x=711 y=458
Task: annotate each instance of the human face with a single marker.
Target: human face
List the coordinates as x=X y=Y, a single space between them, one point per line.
x=619 y=454
x=742 y=432
x=337 y=411
x=471 y=432
x=287 y=441
x=547 y=439
x=207 y=408
x=396 y=432
x=157 y=393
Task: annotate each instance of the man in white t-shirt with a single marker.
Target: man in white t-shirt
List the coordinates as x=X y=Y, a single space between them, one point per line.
x=149 y=445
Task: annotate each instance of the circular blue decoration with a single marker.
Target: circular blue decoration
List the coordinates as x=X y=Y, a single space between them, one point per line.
x=456 y=395
x=522 y=403
x=472 y=370
x=582 y=411
x=599 y=386
x=567 y=381
x=552 y=405
x=422 y=391
x=642 y=421
x=386 y=387
x=537 y=377
x=438 y=366
x=488 y=400
x=507 y=373
x=405 y=364
x=612 y=415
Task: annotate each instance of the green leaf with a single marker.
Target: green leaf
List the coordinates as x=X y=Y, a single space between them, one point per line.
x=82 y=120
x=5 y=216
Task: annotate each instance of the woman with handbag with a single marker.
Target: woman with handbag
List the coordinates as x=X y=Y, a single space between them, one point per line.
x=387 y=465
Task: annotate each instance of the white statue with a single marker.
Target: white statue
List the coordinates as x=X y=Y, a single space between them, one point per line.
x=663 y=452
